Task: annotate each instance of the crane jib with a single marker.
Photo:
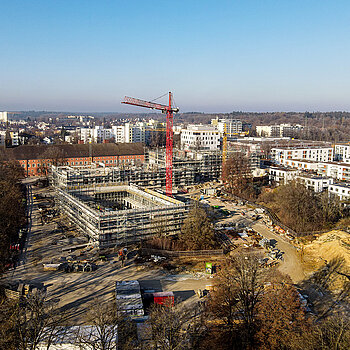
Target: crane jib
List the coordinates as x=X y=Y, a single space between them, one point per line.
x=142 y=103
x=169 y=110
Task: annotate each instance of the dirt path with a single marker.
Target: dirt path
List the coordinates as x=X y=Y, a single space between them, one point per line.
x=291 y=264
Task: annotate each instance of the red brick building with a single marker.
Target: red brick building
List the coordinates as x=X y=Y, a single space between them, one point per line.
x=35 y=159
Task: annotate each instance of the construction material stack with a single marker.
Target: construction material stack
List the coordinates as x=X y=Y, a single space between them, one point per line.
x=128 y=298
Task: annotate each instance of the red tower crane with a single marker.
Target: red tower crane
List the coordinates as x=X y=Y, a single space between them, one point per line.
x=169 y=110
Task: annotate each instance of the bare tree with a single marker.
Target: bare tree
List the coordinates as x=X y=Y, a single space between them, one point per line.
x=237 y=176
x=332 y=334
x=12 y=209
x=282 y=322
x=52 y=156
x=166 y=325
x=107 y=329
x=238 y=289
x=36 y=321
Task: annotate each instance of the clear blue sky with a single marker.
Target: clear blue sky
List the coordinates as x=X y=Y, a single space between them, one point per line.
x=216 y=56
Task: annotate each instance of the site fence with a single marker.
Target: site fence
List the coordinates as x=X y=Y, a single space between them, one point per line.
x=182 y=253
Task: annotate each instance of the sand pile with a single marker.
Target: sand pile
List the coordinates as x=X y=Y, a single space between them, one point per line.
x=326 y=247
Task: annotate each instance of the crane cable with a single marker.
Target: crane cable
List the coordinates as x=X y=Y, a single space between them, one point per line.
x=159 y=97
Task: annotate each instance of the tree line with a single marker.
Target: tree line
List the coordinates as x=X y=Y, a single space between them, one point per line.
x=12 y=209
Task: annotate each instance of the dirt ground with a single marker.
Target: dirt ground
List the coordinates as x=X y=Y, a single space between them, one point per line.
x=324 y=248
x=74 y=292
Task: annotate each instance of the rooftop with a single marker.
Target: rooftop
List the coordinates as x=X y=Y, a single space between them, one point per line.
x=26 y=152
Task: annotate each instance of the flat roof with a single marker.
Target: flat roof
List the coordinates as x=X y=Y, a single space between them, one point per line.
x=342 y=184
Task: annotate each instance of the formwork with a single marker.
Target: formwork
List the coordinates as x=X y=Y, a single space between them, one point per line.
x=116 y=215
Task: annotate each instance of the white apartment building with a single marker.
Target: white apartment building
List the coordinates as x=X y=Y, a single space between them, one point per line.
x=86 y=135
x=119 y=133
x=233 y=126
x=342 y=190
x=318 y=154
x=315 y=183
x=200 y=137
x=14 y=137
x=100 y=134
x=97 y=134
x=339 y=171
x=281 y=130
x=336 y=170
x=139 y=132
x=283 y=175
x=306 y=165
x=134 y=133
x=126 y=133
x=3 y=117
x=342 y=152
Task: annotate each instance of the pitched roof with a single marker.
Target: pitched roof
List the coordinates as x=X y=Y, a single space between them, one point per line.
x=26 y=152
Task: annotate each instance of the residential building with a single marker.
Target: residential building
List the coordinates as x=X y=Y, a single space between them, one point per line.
x=9 y=138
x=203 y=137
x=314 y=182
x=281 y=130
x=339 y=171
x=317 y=153
x=342 y=152
x=3 y=117
x=283 y=175
x=232 y=126
x=98 y=134
x=305 y=165
x=86 y=135
x=119 y=133
x=342 y=190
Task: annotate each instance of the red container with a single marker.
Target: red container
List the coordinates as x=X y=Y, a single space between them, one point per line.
x=164 y=298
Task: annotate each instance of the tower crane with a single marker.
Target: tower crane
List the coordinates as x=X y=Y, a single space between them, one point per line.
x=169 y=110
x=224 y=144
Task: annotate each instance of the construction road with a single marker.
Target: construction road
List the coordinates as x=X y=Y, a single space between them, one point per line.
x=291 y=263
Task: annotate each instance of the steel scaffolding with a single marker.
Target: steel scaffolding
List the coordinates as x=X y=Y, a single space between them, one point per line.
x=134 y=216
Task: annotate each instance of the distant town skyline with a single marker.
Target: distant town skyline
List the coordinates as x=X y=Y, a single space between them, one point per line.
x=256 y=56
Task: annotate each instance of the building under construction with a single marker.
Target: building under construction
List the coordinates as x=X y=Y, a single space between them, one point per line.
x=120 y=205
x=189 y=168
x=115 y=215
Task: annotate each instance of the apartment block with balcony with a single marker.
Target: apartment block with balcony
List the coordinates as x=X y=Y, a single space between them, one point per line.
x=318 y=154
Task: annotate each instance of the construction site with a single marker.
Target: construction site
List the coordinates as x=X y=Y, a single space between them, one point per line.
x=189 y=168
x=121 y=205
x=115 y=215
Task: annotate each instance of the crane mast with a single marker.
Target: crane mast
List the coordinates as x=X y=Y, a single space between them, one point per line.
x=169 y=110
